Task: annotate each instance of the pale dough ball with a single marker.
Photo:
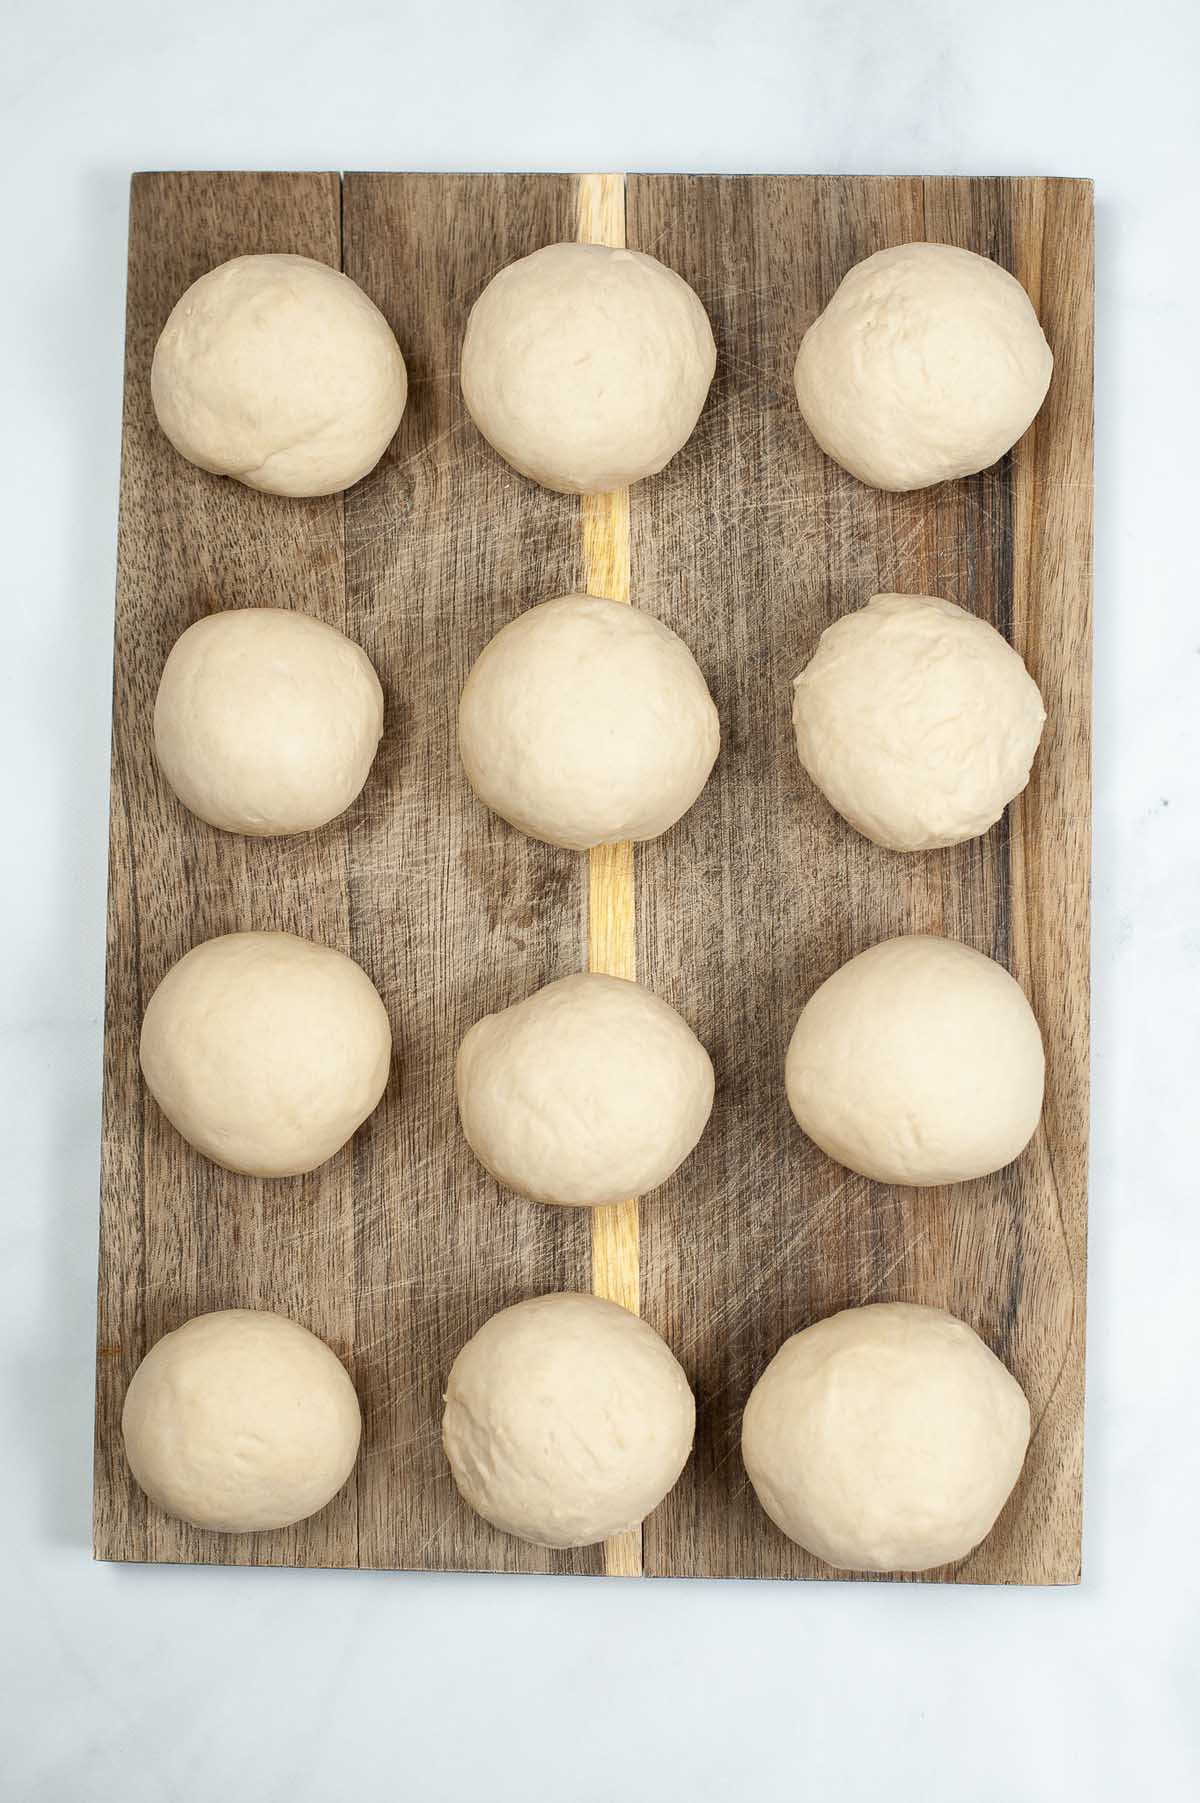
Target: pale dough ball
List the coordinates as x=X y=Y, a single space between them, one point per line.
x=241 y=1420
x=928 y=363
x=587 y=368
x=266 y=1051
x=586 y=722
x=280 y=372
x=917 y=721
x=589 y=1091
x=267 y=721
x=918 y=1062
x=885 y=1438
x=567 y=1420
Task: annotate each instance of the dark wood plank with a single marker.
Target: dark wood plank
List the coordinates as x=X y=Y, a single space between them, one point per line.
x=1050 y=839
x=179 y=1235
x=763 y=891
x=459 y=913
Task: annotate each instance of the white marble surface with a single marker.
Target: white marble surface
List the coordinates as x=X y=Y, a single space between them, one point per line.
x=163 y=1685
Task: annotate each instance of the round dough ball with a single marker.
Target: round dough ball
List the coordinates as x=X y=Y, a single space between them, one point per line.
x=589 y=1091
x=266 y=1051
x=917 y=721
x=918 y=1062
x=886 y=1438
x=241 y=1420
x=585 y=367
x=280 y=372
x=267 y=721
x=586 y=722
x=928 y=363
x=567 y=1420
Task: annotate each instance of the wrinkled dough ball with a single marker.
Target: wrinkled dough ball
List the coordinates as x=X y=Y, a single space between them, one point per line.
x=928 y=363
x=267 y=721
x=918 y=1062
x=917 y=721
x=885 y=1438
x=586 y=722
x=587 y=368
x=266 y=1051
x=567 y=1420
x=279 y=371
x=241 y=1420
x=589 y=1091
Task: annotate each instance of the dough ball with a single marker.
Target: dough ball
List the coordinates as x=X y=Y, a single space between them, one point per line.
x=917 y=721
x=280 y=372
x=886 y=1438
x=585 y=722
x=266 y=1051
x=589 y=1091
x=587 y=368
x=241 y=1420
x=928 y=363
x=918 y=1062
x=267 y=721
x=567 y=1420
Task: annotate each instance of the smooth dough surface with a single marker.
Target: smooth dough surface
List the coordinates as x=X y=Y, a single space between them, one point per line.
x=267 y=721
x=567 y=1420
x=585 y=722
x=266 y=1051
x=241 y=1420
x=279 y=371
x=885 y=1438
x=585 y=367
x=918 y=1062
x=589 y=1091
x=917 y=721
x=928 y=363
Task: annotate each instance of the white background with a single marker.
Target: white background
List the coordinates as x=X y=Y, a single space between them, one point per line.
x=162 y=1684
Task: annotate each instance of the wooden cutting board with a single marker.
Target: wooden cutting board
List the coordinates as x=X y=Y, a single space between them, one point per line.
x=748 y=544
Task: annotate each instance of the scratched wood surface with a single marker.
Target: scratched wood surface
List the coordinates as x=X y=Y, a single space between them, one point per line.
x=179 y=1236
x=749 y=543
x=457 y=913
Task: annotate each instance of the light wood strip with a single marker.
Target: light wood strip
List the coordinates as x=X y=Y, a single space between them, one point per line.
x=612 y=944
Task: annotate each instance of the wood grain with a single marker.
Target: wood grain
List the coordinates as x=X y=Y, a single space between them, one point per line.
x=748 y=544
x=177 y=1234
x=763 y=891
x=459 y=913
